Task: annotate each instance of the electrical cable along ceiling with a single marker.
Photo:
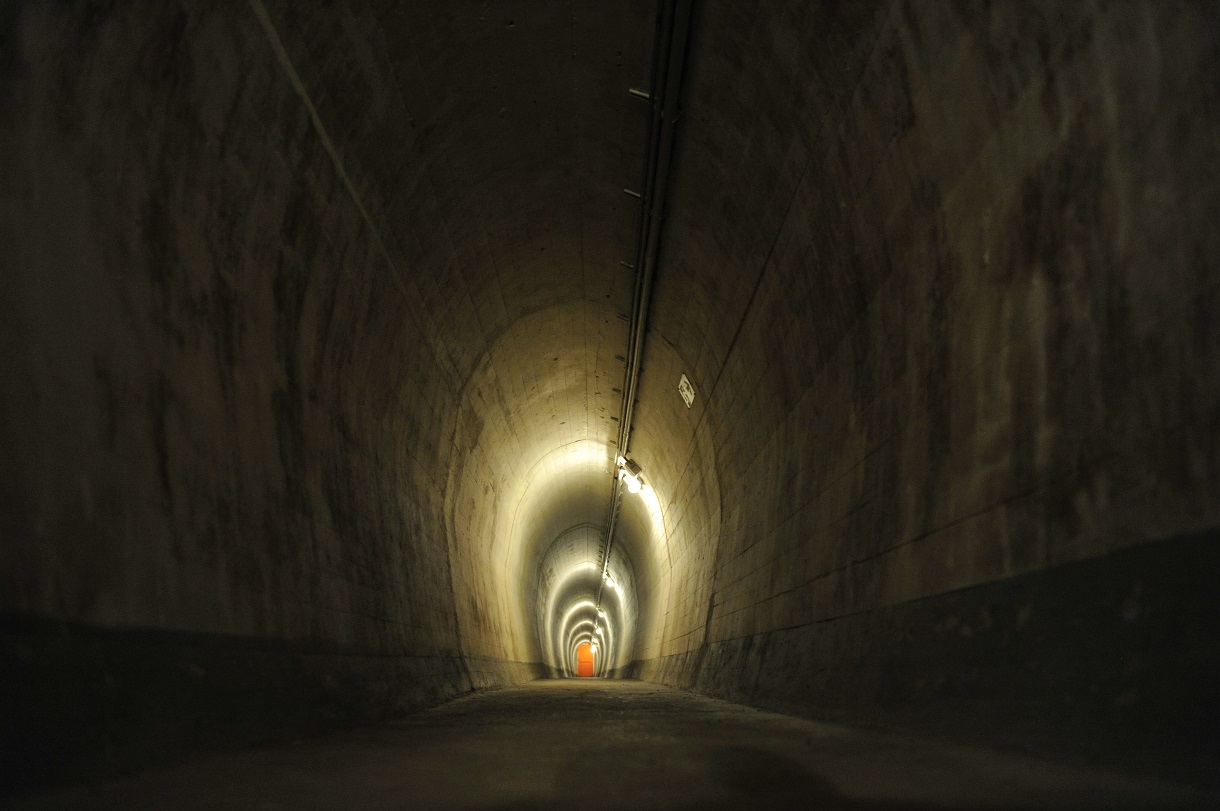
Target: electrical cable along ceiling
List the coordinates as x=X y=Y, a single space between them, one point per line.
x=609 y=620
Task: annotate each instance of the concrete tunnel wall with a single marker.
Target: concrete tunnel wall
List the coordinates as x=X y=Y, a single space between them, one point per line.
x=313 y=325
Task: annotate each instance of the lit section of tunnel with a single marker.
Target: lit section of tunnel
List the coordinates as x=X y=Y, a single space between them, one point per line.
x=582 y=598
x=538 y=539
x=546 y=506
x=529 y=510
x=546 y=561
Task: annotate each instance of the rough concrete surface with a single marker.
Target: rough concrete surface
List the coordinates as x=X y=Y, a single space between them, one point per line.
x=616 y=744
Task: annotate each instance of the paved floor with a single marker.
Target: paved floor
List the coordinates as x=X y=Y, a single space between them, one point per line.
x=585 y=744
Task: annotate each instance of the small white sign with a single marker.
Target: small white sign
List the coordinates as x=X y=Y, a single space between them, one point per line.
x=686 y=390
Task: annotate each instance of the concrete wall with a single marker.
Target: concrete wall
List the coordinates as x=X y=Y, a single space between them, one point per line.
x=231 y=403
x=944 y=276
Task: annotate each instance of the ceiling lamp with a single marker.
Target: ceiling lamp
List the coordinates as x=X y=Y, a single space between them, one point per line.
x=629 y=472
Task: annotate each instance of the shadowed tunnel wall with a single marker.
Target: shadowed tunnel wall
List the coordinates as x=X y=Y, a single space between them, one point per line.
x=313 y=325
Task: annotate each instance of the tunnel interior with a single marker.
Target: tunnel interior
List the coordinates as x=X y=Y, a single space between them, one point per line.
x=330 y=330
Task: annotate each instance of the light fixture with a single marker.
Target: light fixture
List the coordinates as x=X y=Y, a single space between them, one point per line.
x=629 y=472
x=601 y=613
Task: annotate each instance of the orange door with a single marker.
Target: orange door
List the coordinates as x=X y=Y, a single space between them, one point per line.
x=584 y=659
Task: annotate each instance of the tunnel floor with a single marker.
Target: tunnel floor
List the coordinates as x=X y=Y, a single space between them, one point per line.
x=591 y=743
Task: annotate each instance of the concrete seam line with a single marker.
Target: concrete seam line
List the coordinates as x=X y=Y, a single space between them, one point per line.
x=281 y=56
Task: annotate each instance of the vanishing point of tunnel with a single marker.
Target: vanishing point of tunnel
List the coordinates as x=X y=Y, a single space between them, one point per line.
x=674 y=403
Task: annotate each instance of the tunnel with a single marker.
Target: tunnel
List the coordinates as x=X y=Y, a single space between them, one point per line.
x=847 y=365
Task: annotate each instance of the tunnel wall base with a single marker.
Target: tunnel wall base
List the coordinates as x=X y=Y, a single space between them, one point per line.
x=1109 y=661
x=86 y=703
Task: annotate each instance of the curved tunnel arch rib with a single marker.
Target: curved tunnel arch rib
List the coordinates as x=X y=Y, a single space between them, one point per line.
x=526 y=478
x=531 y=455
x=568 y=584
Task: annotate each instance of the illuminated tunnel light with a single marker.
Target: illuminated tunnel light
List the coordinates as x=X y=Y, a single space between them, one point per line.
x=629 y=472
x=571 y=608
x=570 y=626
x=517 y=519
x=554 y=623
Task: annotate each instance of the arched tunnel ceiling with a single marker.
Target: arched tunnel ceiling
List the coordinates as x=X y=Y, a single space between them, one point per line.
x=497 y=142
